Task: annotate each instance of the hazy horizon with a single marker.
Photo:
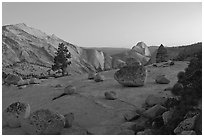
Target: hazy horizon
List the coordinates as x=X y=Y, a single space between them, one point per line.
x=111 y=24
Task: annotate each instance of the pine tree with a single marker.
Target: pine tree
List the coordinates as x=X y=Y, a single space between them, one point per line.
x=61 y=60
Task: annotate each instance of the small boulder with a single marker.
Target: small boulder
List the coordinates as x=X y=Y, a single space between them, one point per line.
x=110 y=95
x=152 y=100
x=12 y=79
x=14 y=114
x=191 y=132
x=99 y=78
x=34 y=81
x=140 y=123
x=43 y=122
x=162 y=80
x=58 y=85
x=23 y=82
x=131 y=75
x=167 y=116
x=157 y=122
x=69 y=119
x=22 y=87
x=154 y=111
x=131 y=115
x=91 y=75
x=69 y=90
x=187 y=124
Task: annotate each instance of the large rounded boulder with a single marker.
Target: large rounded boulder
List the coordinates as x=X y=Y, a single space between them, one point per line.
x=14 y=114
x=134 y=75
x=12 y=79
x=43 y=122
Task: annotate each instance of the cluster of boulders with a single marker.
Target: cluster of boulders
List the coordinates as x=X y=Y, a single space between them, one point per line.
x=97 y=77
x=164 y=64
x=40 y=122
x=12 y=79
x=154 y=117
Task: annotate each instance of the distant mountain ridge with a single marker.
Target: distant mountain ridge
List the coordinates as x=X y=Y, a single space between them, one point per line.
x=22 y=44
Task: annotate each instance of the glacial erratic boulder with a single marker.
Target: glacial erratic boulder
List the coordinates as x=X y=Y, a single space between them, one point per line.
x=14 y=114
x=23 y=82
x=161 y=79
x=69 y=119
x=133 y=62
x=91 y=75
x=110 y=95
x=69 y=90
x=99 y=78
x=43 y=122
x=154 y=111
x=187 y=124
x=12 y=79
x=152 y=100
x=131 y=115
x=34 y=81
x=131 y=76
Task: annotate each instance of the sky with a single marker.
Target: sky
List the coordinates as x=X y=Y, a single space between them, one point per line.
x=111 y=24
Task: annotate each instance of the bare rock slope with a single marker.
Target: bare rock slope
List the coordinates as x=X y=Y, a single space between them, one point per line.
x=28 y=47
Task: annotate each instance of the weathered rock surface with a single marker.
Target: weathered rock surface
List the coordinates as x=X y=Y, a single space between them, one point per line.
x=161 y=79
x=152 y=100
x=69 y=119
x=110 y=95
x=167 y=116
x=131 y=76
x=131 y=115
x=22 y=87
x=14 y=114
x=43 y=122
x=91 y=75
x=34 y=81
x=133 y=61
x=12 y=79
x=23 y=82
x=187 y=124
x=69 y=90
x=99 y=78
x=154 y=111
